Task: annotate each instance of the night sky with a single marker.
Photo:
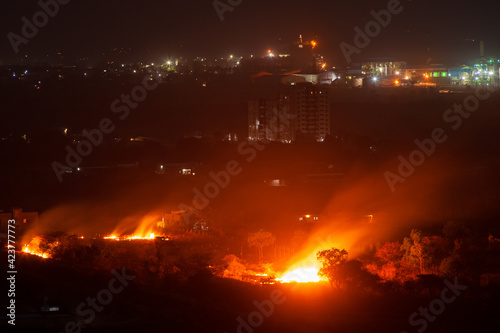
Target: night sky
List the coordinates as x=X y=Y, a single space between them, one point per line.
x=425 y=32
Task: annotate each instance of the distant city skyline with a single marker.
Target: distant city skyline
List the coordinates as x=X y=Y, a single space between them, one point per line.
x=153 y=30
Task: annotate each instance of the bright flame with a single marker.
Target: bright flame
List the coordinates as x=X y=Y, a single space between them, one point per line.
x=131 y=237
x=111 y=237
x=303 y=271
x=34 y=248
x=301 y=275
x=305 y=266
x=143 y=231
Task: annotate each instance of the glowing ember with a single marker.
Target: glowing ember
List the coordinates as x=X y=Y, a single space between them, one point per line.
x=111 y=237
x=131 y=237
x=301 y=275
x=34 y=248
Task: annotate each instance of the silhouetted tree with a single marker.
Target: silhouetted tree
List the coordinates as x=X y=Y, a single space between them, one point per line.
x=413 y=249
x=423 y=252
x=390 y=252
x=260 y=239
x=351 y=273
x=389 y=257
x=330 y=261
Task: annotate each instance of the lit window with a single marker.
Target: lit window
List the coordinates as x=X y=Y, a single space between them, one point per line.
x=186 y=172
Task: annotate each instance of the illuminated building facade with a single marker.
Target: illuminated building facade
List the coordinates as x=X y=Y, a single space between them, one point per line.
x=270 y=119
x=310 y=106
x=382 y=67
x=301 y=113
x=486 y=72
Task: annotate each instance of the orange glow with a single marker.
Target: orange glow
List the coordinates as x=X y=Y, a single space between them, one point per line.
x=352 y=236
x=111 y=237
x=314 y=43
x=34 y=248
x=301 y=275
x=304 y=270
x=144 y=231
x=131 y=237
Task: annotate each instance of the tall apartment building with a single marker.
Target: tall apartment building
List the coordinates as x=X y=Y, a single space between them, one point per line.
x=270 y=119
x=300 y=113
x=310 y=106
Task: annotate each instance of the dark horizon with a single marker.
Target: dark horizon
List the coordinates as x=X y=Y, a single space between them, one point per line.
x=154 y=30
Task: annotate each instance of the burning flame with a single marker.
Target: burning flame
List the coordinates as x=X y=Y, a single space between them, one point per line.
x=303 y=271
x=301 y=275
x=306 y=266
x=130 y=237
x=144 y=231
x=34 y=248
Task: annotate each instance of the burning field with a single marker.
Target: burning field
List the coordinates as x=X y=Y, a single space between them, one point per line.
x=37 y=248
x=315 y=286
x=212 y=253
x=303 y=267
x=338 y=266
